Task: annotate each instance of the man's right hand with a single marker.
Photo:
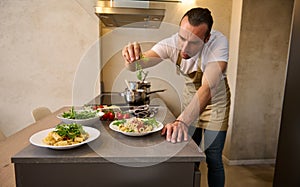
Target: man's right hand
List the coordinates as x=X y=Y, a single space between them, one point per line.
x=131 y=52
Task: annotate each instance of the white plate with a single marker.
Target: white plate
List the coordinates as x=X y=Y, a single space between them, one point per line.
x=155 y=129
x=88 y=121
x=37 y=138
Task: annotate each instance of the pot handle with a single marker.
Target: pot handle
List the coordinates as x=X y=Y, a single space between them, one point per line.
x=156 y=91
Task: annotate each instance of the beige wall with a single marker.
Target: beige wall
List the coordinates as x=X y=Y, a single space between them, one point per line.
x=42 y=45
x=262 y=53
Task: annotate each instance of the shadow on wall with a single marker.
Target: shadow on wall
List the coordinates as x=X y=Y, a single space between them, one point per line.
x=162 y=76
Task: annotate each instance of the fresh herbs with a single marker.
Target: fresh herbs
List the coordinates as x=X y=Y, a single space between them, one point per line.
x=139 y=69
x=84 y=114
x=69 y=131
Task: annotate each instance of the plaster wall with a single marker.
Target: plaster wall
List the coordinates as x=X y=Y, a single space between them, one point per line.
x=235 y=27
x=42 y=45
x=260 y=79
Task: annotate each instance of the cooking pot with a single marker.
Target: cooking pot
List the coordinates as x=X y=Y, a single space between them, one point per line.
x=135 y=85
x=138 y=96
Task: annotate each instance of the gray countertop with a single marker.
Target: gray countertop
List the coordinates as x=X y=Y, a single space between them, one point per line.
x=115 y=147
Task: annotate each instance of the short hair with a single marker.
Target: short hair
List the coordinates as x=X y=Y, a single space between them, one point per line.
x=197 y=16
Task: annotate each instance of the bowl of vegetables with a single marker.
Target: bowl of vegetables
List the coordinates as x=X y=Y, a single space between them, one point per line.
x=83 y=117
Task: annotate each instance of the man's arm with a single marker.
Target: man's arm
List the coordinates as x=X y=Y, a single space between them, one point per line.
x=177 y=131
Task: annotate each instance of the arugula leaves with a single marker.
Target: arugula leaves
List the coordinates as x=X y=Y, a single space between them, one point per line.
x=85 y=114
x=70 y=114
x=69 y=131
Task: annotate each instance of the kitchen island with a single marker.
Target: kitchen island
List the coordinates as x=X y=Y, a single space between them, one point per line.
x=113 y=159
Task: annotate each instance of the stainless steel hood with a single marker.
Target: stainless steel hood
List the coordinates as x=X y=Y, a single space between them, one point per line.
x=131 y=17
x=134 y=17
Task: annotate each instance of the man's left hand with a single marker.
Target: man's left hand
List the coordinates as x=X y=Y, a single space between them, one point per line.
x=175 y=132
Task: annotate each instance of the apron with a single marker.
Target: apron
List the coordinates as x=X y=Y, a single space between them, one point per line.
x=216 y=114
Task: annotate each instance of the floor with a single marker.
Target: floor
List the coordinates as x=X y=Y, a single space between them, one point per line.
x=243 y=176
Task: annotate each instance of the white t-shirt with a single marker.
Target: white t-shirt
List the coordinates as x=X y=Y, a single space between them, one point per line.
x=216 y=49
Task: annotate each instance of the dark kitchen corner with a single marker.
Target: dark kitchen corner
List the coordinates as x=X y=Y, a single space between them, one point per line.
x=288 y=154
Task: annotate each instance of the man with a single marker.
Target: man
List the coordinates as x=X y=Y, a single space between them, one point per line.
x=201 y=56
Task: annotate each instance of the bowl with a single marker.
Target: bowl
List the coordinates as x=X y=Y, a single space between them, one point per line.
x=85 y=122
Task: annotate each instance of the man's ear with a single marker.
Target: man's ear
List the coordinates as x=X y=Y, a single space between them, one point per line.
x=206 y=38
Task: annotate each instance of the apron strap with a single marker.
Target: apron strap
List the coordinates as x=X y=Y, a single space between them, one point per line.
x=178 y=62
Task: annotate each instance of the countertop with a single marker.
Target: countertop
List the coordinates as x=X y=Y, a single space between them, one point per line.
x=109 y=147
x=113 y=146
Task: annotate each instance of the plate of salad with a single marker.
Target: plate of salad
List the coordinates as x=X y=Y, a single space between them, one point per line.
x=83 y=117
x=136 y=126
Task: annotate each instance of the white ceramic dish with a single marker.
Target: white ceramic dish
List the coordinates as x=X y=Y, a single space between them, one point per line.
x=116 y=128
x=37 y=138
x=88 y=121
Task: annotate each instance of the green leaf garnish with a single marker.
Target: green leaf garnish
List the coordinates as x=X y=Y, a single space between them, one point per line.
x=69 y=131
x=119 y=122
x=150 y=121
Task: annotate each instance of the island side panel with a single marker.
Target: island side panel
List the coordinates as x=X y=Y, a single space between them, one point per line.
x=105 y=174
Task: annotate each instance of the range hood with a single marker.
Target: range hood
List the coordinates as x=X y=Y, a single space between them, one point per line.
x=131 y=17
x=134 y=17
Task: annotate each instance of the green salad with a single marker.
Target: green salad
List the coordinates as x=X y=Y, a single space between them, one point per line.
x=84 y=114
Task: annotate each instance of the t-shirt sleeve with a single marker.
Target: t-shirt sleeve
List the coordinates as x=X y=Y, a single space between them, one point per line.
x=218 y=50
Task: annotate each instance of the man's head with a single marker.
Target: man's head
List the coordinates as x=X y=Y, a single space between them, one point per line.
x=198 y=16
x=195 y=27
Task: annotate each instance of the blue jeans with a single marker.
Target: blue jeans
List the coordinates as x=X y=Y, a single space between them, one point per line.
x=213 y=147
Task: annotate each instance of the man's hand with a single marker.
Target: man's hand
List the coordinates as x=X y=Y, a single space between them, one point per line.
x=175 y=132
x=131 y=52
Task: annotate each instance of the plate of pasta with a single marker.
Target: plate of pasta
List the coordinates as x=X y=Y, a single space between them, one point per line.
x=64 y=136
x=136 y=126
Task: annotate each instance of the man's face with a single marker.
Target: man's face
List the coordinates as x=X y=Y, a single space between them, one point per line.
x=191 y=38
